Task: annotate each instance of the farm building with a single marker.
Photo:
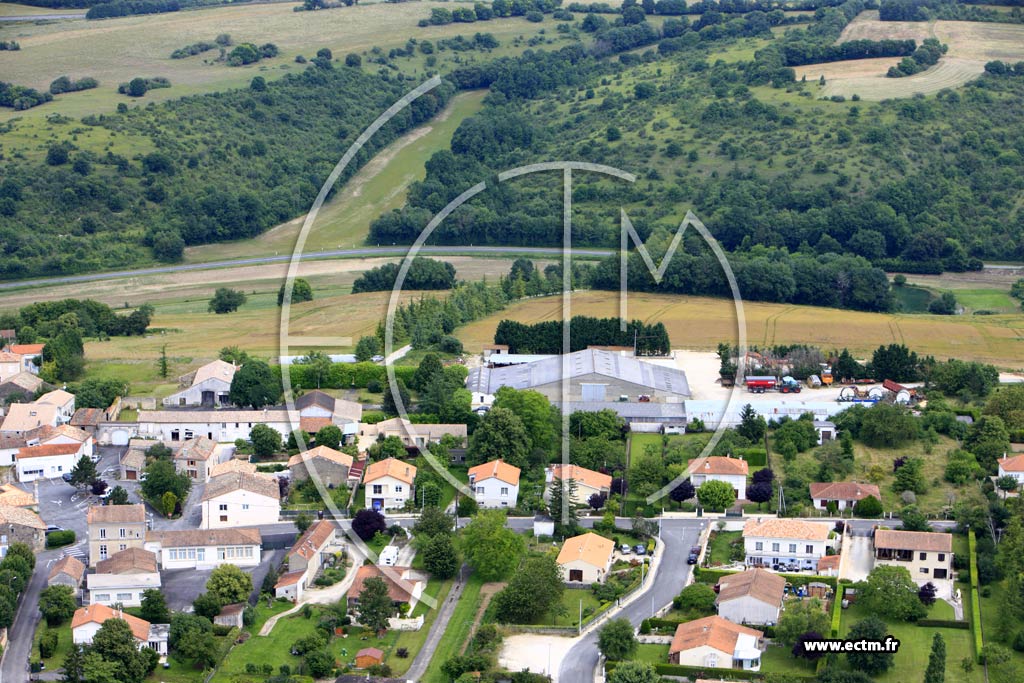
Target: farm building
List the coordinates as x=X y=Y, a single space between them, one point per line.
x=712 y=412
x=223 y=426
x=208 y=386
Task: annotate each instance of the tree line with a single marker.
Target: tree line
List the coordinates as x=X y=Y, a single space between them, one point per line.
x=584 y=331
x=124 y=8
x=798 y=54
x=423 y=273
x=92 y=318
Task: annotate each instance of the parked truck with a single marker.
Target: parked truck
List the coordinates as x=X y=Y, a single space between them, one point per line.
x=760 y=384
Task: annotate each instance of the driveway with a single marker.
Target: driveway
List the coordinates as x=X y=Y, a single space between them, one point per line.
x=182 y=586
x=859 y=558
x=678 y=535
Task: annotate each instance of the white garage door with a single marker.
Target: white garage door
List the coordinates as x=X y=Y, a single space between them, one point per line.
x=119 y=437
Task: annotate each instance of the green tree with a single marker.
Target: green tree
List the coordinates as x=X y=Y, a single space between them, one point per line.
x=319 y=364
x=1007 y=484
x=716 y=495
x=226 y=300
x=162 y=365
x=801 y=617
x=57 y=604
x=168 y=503
x=501 y=434
x=430 y=370
x=871 y=663
x=913 y=519
x=115 y=644
x=388 y=404
x=616 y=639
x=752 y=426
x=254 y=385
x=910 y=476
x=697 y=597
x=160 y=478
x=888 y=426
x=303 y=522
x=540 y=419
x=440 y=557
x=561 y=507
x=154 y=607
x=534 y=590
x=375 y=606
x=301 y=291
x=432 y=521
x=491 y=549
x=207 y=605
x=868 y=506
x=367 y=348
x=648 y=473
x=633 y=672
x=936 y=671
x=266 y=441
x=84 y=472
x=229 y=584
x=197 y=646
x=118 y=496
x=330 y=436
x=891 y=592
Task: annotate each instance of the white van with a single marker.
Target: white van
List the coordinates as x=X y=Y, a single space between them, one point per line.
x=389 y=556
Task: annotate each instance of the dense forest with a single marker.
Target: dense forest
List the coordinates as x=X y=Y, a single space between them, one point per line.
x=834 y=191
x=584 y=331
x=221 y=166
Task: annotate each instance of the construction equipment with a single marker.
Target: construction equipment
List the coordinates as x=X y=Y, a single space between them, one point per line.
x=826 y=375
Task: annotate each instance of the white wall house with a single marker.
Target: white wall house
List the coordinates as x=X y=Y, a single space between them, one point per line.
x=588 y=482
x=586 y=559
x=223 y=426
x=774 y=542
x=119 y=589
x=495 y=484
x=88 y=620
x=1013 y=467
x=66 y=434
x=733 y=471
x=25 y=417
x=208 y=386
x=28 y=354
x=240 y=499
x=844 y=494
x=199 y=549
x=47 y=461
x=388 y=484
x=716 y=643
x=753 y=596
x=63 y=401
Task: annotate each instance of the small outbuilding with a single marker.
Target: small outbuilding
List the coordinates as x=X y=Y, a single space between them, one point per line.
x=369 y=656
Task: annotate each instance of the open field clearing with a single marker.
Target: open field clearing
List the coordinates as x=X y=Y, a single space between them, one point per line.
x=10 y=9
x=971 y=45
x=379 y=187
x=701 y=323
x=116 y=50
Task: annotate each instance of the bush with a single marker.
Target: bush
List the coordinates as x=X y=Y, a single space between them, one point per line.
x=57 y=539
x=47 y=644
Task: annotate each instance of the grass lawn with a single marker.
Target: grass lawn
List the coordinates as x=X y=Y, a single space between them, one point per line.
x=991 y=624
x=654 y=653
x=720 y=546
x=779 y=659
x=915 y=644
x=63 y=644
x=567 y=612
x=273 y=649
x=457 y=632
x=413 y=640
x=638 y=443
x=263 y=613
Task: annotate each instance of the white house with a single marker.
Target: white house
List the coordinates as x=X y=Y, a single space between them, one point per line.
x=62 y=400
x=388 y=484
x=318 y=409
x=119 y=589
x=203 y=549
x=716 y=643
x=733 y=471
x=495 y=484
x=87 y=621
x=1013 y=467
x=925 y=555
x=844 y=494
x=316 y=546
x=28 y=354
x=826 y=430
x=66 y=434
x=785 y=542
x=47 y=461
x=588 y=482
x=10 y=365
x=240 y=499
x=207 y=386
x=412 y=435
x=224 y=426
x=586 y=558
x=753 y=596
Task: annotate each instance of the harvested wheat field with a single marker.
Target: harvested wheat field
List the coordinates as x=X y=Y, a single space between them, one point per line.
x=702 y=322
x=971 y=45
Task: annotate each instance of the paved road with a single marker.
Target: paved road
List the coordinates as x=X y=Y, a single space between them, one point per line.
x=678 y=535
x=43 y=17
x=363 y=252
x=419 y=665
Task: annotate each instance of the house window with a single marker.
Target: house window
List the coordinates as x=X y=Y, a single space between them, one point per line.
x=245 y=506
x=124 y=597
x=792 y=547
x=123 y=546
x=923 y=557
x=924 y=570
x=221 y=553
x=103 y=552
x=504 y=490
x=479 y=489
x=398 y=489
x=809 y=549
x=775 y=547
x=758 y=545
x=223 y=507
x=122 y=533
x=942 y=557
x=103 y=533
x=189 y=434
x=201 y=554
x=223 y=518
x=103 y=597
x=378 y=489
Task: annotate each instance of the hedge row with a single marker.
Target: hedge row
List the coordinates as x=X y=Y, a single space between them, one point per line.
x=943 y=623
x=711 y=576
x=696 y=672
x=56 y=539
x=972 y=546
x=755 y=457
x=837 y=610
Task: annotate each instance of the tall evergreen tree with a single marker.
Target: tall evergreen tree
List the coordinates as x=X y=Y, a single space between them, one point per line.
x=936 y=671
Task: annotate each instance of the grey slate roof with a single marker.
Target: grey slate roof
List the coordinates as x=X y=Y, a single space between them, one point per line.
x=578 y=364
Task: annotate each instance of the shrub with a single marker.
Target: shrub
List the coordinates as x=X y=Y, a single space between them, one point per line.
x=56 y=539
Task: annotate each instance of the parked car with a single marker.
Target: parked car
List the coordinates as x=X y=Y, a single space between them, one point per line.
x=694 y=555
x=66 y=477
x=640 y=549
x=625 y=549
x=50 y=528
